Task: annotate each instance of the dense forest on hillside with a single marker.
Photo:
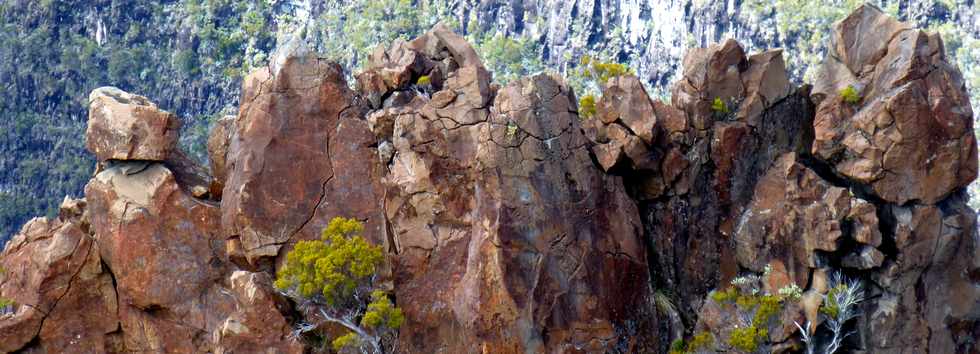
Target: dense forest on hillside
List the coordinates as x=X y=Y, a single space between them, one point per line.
x=189 y=57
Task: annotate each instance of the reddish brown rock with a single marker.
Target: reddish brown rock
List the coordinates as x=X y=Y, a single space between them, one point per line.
x=124 y=126
x=257 y=321
x=710 y=162
x=64 y=298
x=793 y=215
x=300 y=156
x=910 y=136
x=472 y=207
x=624 y=100
x=166 y=252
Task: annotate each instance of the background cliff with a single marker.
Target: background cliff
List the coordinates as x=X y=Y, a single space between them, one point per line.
x=190 y=56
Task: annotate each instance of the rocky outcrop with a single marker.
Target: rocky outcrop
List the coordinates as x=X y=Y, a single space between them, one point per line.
x=906 y=131
x=138 y=265
x=694 y=175
x=124 y=126
x=298 y=156
x=881 y=199
x=64 y=298
x=511 y=224
x=507 y=237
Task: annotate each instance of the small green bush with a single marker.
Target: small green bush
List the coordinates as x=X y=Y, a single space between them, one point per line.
x=747 y=339
x=601 y=71
x=586 y=107
x=424 y=80
x=718 y=106
x=700 y=341
x=830 y=307
x=727 y=295
x=678 y=346
x=850 y=95
x=769 y=306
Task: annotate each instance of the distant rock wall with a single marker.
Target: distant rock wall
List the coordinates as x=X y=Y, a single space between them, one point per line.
x=511 y=225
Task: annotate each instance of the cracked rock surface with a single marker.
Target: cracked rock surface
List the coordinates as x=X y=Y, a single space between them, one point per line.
x=511 y=224
x=507 y=237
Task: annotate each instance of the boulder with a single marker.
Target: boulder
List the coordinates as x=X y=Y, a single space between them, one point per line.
x=64 y=300
x=124 y=126
x=908 y=131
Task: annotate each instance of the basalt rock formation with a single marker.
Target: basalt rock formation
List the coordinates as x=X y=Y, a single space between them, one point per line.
x=513 y=226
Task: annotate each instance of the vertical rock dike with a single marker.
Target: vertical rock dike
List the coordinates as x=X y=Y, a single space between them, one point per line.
x=512 y=225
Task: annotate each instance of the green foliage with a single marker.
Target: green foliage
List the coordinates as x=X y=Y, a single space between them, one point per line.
x=508 y=58
x=423 y=80
x=586 y=106
x=678 y=346
x=336 y=277
x=728 y=295
x=700 y=341
x=830 y=307
x=719 y=106
x=769 y=307
x=382 y=313
x=349 y=340
x=332 y=267
x=850 y=95
x=747 y=339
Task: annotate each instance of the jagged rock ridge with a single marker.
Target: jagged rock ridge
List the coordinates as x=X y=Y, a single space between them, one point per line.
x=510 y=224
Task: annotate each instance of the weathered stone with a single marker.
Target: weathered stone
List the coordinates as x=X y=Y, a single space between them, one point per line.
x=441 y=43
x=124 y=126
x=218 y=143
x=910 y=136
x=300 y=156
x=167 y=253
x=484 y=187
x=64 y=299
x=625 y=100
x=257 y=322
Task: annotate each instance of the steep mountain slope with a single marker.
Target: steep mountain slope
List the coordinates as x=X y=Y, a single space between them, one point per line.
x=740 y=215
x=189 y=56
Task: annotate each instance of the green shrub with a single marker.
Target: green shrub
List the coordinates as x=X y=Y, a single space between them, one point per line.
x=586 y=107
x=747 y=339
x=335 y=277
x=699 y=342
x=423 y=80
x=719 y=106
x=830 y=307
x=727 y=295
x=678 y=346
x=850 y=95
x=601 y=71
x=769 y=306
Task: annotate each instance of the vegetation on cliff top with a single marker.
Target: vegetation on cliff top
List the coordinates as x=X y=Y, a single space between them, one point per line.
x=336 y=280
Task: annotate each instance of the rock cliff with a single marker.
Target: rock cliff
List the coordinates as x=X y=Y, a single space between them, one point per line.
x=511 y=225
